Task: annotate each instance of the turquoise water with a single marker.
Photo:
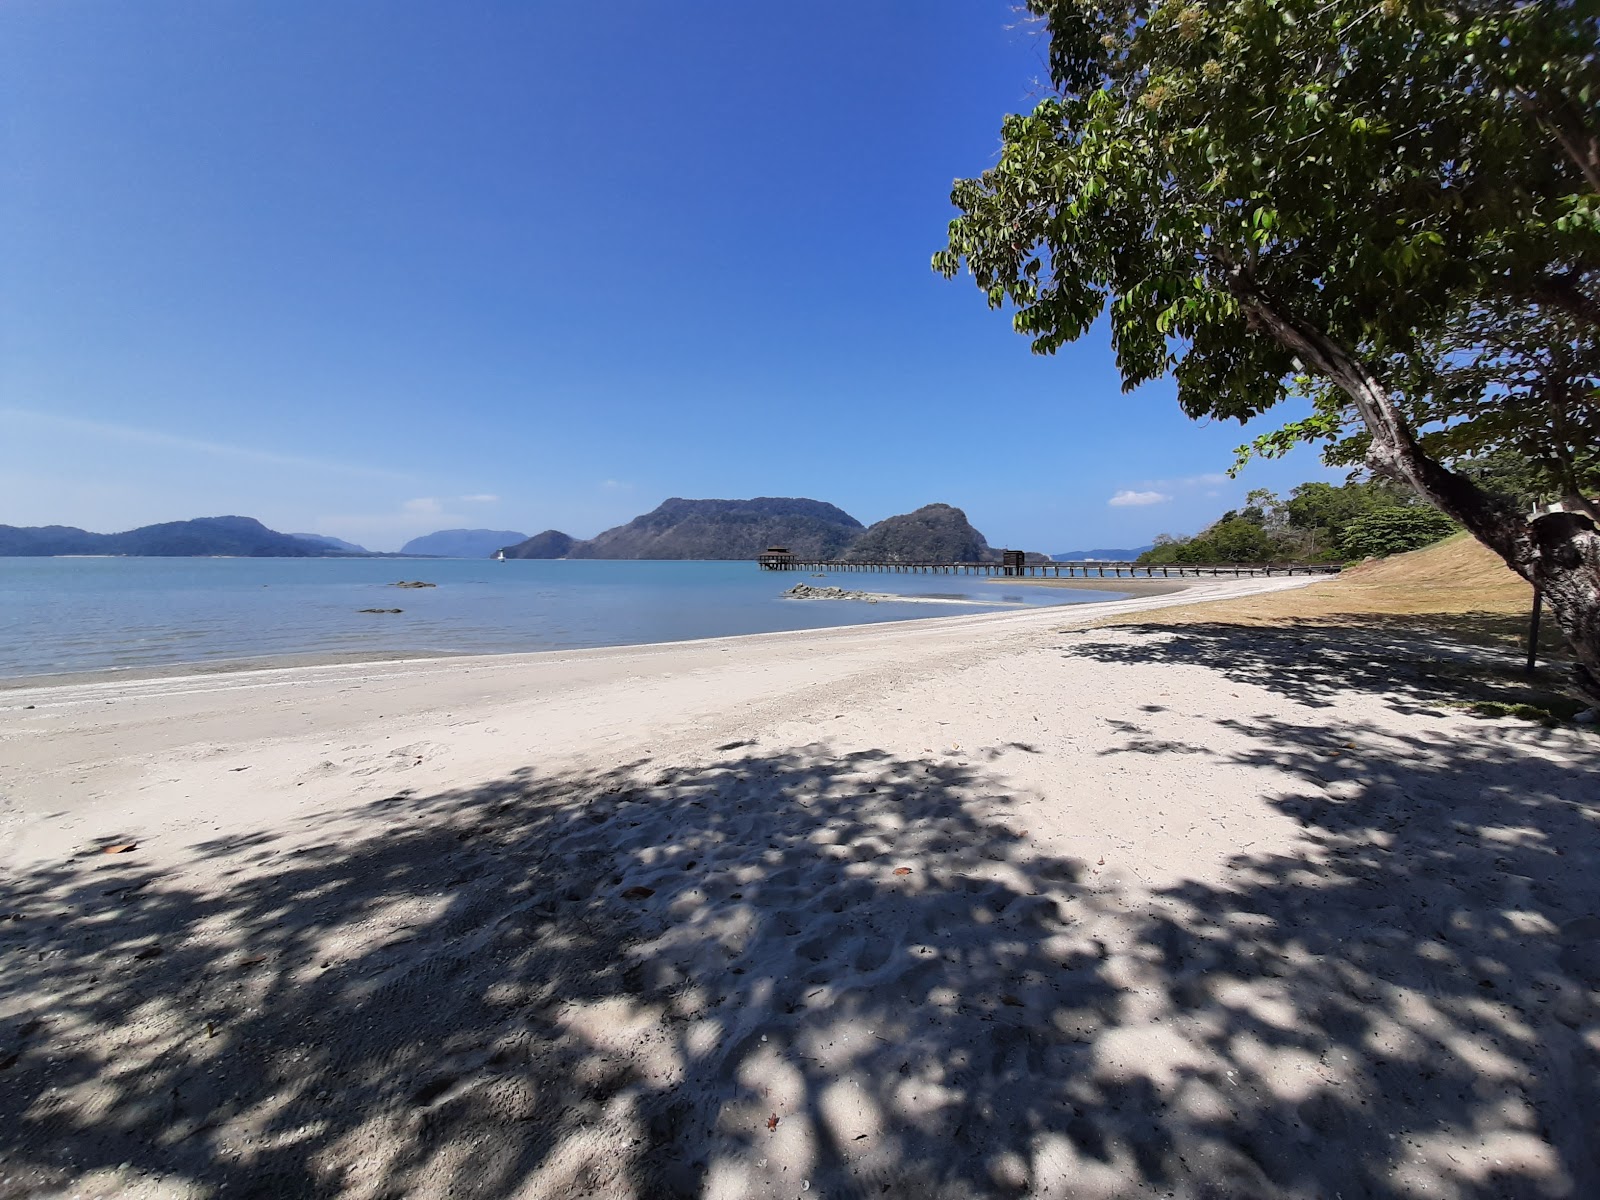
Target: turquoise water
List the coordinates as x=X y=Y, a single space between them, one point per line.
x=90 y=614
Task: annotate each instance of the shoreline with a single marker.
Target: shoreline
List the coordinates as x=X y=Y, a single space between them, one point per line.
x=279 y=662
x=1133 y=587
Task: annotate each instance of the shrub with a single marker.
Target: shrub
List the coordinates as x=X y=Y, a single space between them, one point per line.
x=1393 y=531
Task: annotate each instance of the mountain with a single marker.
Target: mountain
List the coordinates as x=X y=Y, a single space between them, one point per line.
x=462 y=543
x=20 y=541
x=552 y=543
x=934 y=533
x=727 y=529
x=331 y=543
x=1102 y=555
x=203 y=536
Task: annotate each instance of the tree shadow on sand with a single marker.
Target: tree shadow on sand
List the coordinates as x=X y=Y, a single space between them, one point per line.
x=791 y=973
x=1414 y=663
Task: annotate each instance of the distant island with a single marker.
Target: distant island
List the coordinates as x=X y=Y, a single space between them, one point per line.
x=332 y=543
x=461 y=543
x=933 y=533
x=203 y=536
x=1122 y=555
x=552 y=543
x=675 y=529
x=713 y=529
x=742 y=529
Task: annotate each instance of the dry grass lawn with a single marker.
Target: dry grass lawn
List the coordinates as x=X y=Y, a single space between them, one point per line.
x=1455 y=587
x=1452 y=612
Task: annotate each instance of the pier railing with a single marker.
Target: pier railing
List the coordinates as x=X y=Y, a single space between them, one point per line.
x=1052 y=570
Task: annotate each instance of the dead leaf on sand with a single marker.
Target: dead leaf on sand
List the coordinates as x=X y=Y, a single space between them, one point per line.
x=902 y=870
x=255 y=960
x=1102 y=861
x=149 y=952
x=638 y=892
x=772 y=1122
x=1011 y=1000
x=120 y=848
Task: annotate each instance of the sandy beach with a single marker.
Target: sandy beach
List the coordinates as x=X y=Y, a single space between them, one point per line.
x=989 y=905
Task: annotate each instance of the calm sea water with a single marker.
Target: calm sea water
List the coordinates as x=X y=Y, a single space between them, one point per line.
x=89 y=614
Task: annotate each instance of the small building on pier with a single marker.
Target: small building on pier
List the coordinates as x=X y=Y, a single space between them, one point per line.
x=777 y=558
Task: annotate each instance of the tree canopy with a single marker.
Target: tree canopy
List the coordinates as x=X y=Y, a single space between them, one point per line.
x=1392 y=207
x=1319 y=522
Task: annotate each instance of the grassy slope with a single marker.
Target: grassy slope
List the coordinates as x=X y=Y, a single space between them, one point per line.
x=1455 y=587
x=1409 y=607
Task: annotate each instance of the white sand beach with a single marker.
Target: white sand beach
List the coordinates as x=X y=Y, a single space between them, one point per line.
x=991 y=905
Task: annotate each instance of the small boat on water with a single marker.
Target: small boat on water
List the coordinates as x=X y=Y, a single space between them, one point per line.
x=499 y=556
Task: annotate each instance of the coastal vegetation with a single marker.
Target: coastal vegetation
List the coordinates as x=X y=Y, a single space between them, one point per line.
x=1392 y=210
x=1318 y=523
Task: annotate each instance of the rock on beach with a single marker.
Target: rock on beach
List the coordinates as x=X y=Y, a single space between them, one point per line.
x=805 y=591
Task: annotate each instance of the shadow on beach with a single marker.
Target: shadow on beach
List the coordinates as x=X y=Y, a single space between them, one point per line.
x=793 y=974
x=1415 y=662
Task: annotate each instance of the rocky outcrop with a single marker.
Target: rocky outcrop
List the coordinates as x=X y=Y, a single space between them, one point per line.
x=806 y=591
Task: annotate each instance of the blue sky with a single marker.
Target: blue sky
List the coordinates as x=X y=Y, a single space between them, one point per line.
x=373 y=269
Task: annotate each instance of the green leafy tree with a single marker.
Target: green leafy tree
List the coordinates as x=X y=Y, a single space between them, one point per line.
x=1312 y=525
x=1386 y=531
x=1324 y=197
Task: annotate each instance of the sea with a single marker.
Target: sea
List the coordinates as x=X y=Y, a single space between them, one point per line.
x=62 y=615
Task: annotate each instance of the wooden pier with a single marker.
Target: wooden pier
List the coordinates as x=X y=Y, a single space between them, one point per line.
x=1014 y=566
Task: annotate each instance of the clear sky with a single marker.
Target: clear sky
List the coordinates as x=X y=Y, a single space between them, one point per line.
x=377 y=267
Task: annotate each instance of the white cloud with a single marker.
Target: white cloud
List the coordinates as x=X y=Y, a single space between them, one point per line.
x=153 y=437
x=423 y=506
x=479 y=498
x=1127 y=499
x=614 y=484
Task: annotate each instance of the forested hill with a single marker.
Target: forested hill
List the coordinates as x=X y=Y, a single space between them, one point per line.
x=724 y=529
x=742 y=529
x=552 y=543
x=933 y=533
x=203 y=536
x=332 y=543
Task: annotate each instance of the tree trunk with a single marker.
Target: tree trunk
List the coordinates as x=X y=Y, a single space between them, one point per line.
x=1558 y=552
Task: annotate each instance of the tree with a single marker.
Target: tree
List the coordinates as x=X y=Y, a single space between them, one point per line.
x=1334 y=198
x=1386 y=531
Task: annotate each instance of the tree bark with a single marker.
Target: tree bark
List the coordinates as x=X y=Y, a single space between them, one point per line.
x=1557 y=552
